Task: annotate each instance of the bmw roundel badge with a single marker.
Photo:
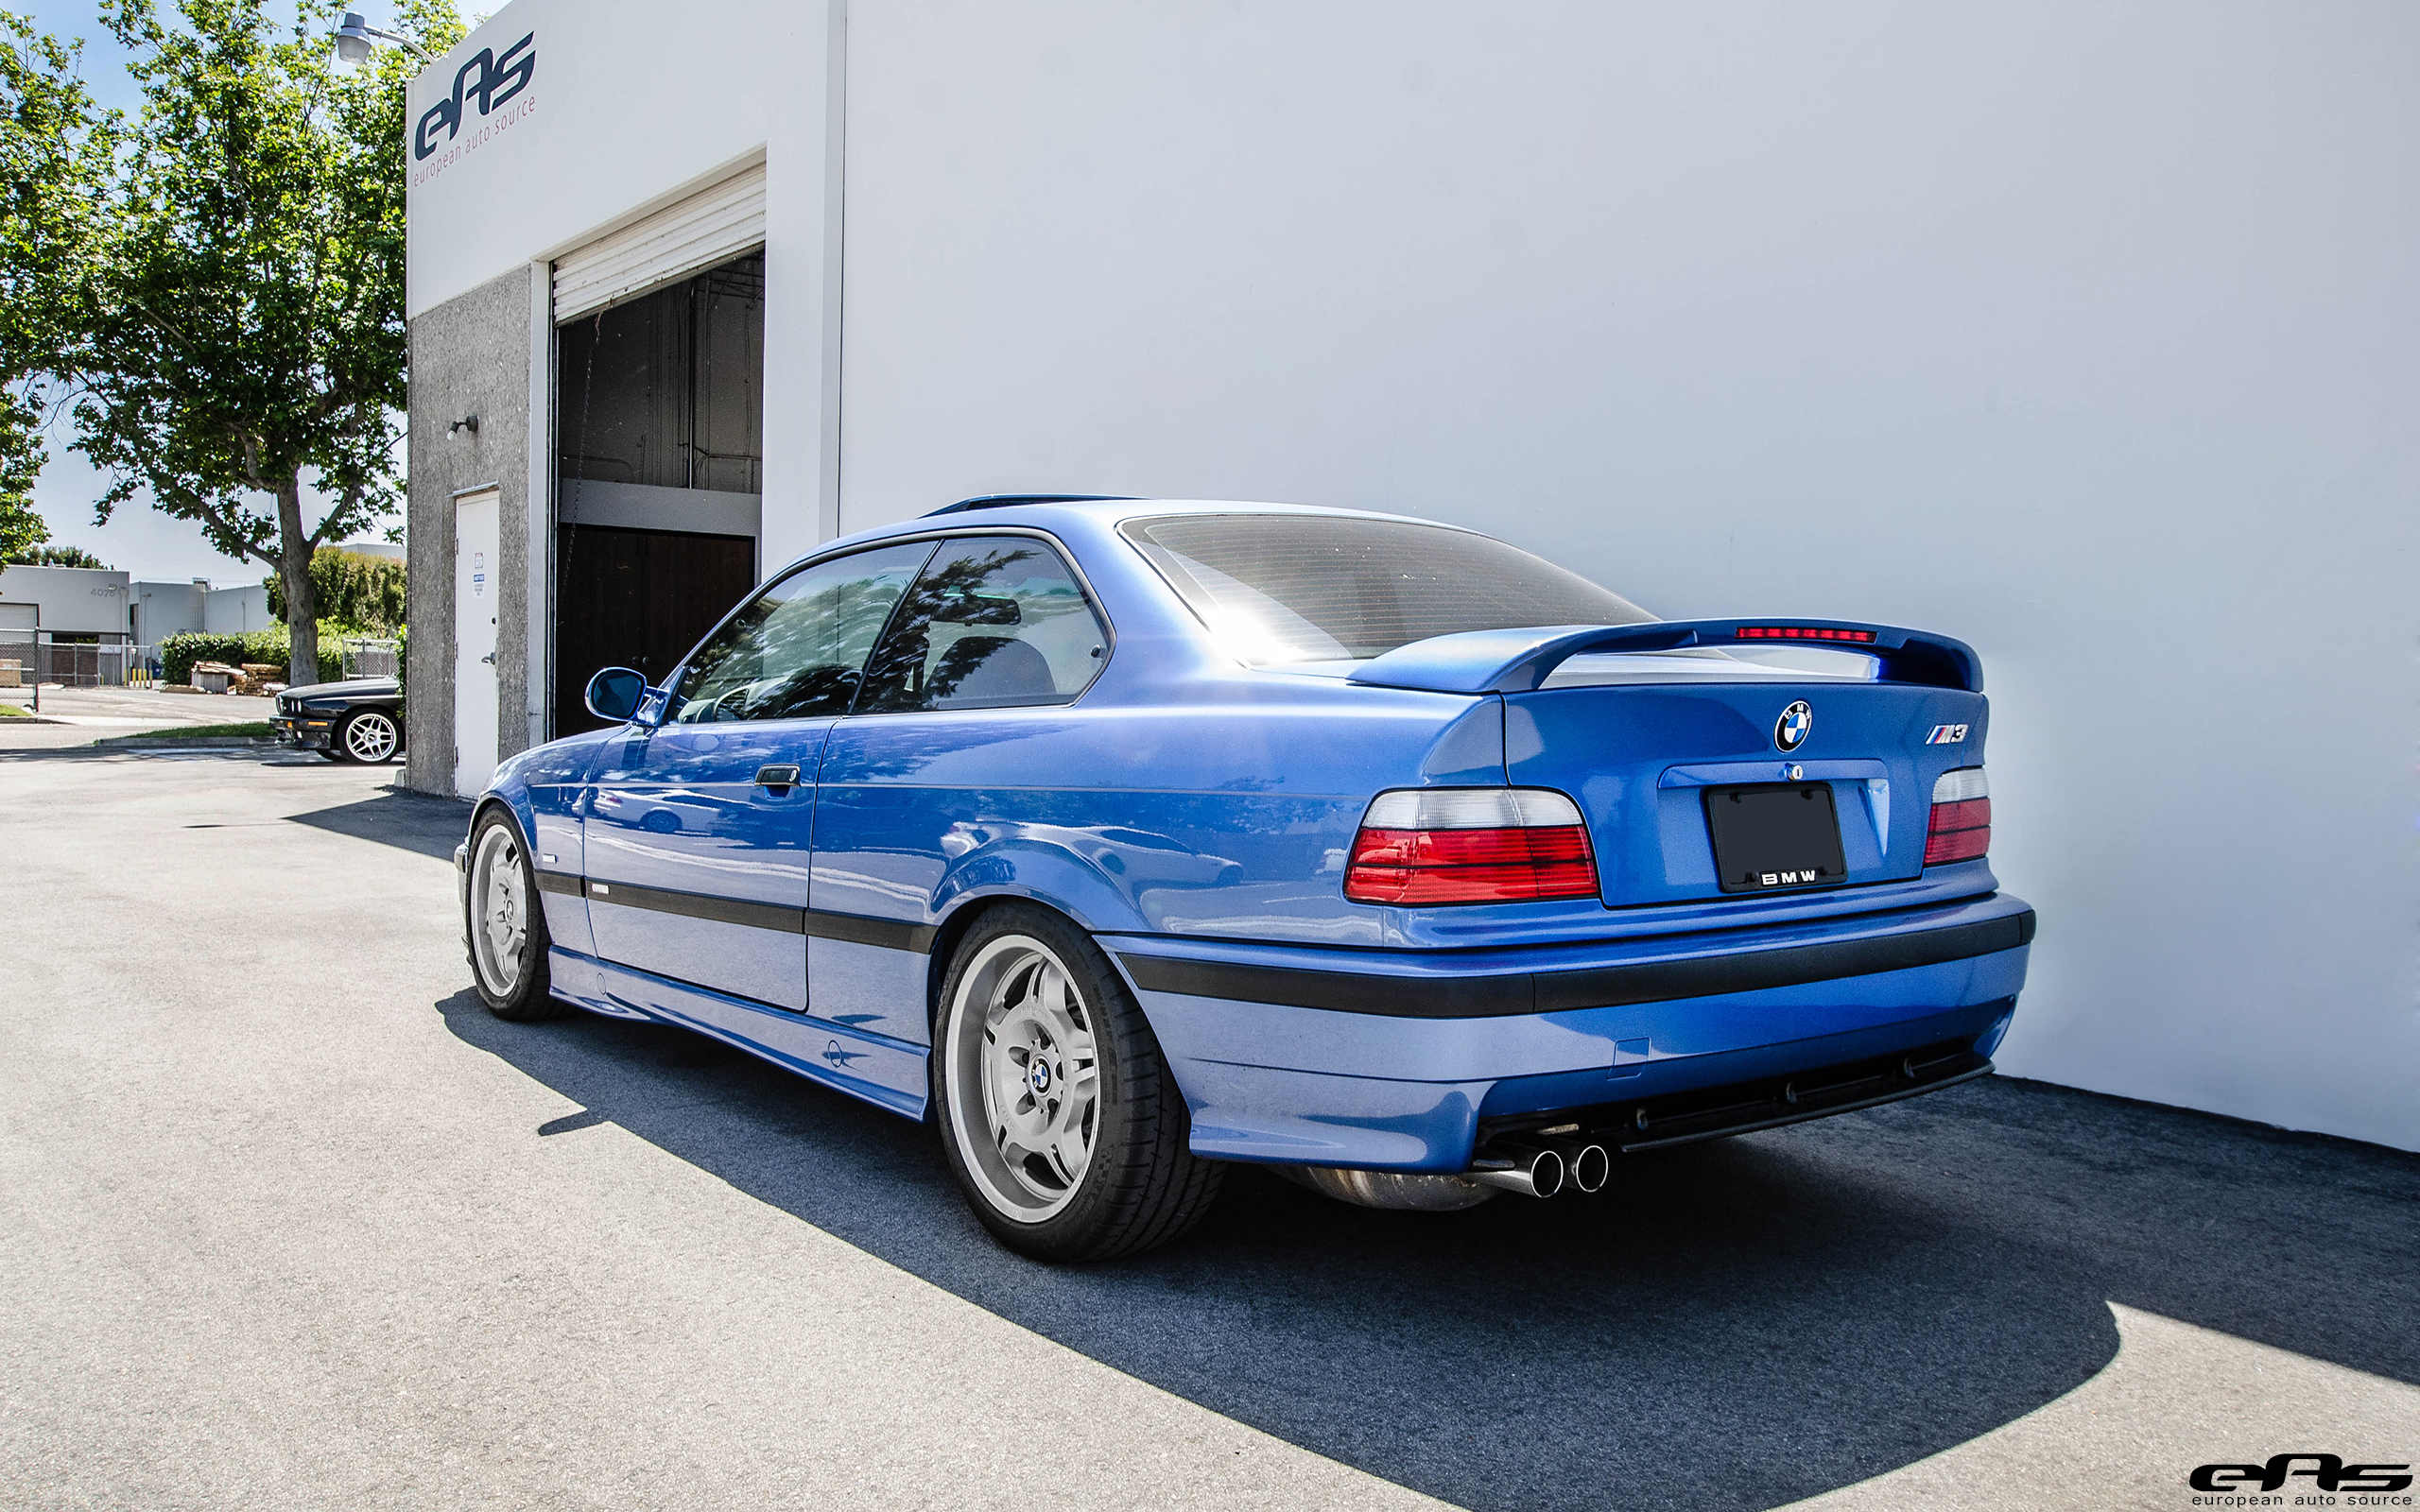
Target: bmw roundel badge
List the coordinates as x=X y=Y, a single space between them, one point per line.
x=1789 y=730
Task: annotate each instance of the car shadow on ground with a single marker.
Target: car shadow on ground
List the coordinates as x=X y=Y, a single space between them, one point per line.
x=1730 y=1325
x=412 y=821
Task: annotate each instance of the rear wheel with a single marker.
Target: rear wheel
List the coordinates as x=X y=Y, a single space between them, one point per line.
x=1058 y=1114
x=508 y=928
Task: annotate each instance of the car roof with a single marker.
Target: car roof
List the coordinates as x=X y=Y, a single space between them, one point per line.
x=1045 y=511
x=1113 y=508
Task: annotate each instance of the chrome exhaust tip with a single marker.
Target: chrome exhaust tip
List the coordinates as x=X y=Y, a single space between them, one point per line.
x=1590 y=1167
x=1534 y=1174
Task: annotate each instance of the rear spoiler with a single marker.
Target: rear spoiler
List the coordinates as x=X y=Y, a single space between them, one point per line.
x=1520 y=659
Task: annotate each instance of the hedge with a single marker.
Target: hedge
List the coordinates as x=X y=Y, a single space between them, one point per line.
x=178 y=653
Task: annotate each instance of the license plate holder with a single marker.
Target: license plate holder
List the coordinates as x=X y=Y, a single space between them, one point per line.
x=1776 y=837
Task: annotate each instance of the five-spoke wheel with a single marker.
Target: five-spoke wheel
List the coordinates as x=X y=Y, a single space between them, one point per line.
x=1057 y=1111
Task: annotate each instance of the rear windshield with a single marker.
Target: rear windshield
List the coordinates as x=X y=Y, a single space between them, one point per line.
x=1277 y=587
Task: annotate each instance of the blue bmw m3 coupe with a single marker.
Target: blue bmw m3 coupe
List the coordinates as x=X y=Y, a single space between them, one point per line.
x=1124 y=840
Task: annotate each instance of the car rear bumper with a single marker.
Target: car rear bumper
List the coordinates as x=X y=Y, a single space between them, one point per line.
x=1399 y=1059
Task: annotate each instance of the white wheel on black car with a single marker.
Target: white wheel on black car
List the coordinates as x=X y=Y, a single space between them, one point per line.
x=369 y=737
x=1057 y=1114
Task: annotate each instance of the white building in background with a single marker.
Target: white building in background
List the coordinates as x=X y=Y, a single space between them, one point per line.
x=73 y=603
x=235 y=610
x=162 y=609
x=2084 y=333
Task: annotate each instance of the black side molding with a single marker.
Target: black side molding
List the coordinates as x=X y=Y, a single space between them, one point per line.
x=816 y=923
x=859 y=930
x=700 y=906
x=1498 y=995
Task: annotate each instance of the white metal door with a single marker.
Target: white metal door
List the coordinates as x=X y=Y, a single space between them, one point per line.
x=475 y=581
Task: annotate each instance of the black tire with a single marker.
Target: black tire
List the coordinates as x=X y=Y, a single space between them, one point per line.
x=389 y=733
x=520 y=993
x=1140 y=1186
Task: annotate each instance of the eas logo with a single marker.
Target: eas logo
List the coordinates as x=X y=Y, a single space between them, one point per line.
x=487 y=78
x=2326 y=1471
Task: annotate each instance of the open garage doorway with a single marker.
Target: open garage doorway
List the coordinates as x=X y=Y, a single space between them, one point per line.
x=659 y=474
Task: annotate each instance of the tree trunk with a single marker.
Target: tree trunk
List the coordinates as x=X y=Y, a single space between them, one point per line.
x=294 y=570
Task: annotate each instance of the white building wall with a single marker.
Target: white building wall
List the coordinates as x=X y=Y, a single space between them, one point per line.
x=234 y=611
x=632 y=105
x=72 y=600
x=2084 y=332
x=162 y=609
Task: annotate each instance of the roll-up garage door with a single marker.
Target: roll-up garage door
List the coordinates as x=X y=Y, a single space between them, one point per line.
x=710 y=226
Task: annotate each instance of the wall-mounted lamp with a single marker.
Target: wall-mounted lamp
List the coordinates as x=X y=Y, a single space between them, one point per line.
x=468 y=423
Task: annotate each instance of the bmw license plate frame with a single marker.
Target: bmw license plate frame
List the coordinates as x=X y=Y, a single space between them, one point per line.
x=1776 y=837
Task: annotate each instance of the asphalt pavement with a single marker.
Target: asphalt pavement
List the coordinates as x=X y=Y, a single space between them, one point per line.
x=79 y=716
x=286 y=1218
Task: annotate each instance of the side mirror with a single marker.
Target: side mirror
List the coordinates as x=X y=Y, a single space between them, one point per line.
x=613 y=695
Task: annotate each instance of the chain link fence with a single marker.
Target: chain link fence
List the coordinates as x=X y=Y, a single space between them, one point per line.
x=29 y=659
x=365 y=656
x=21 y=667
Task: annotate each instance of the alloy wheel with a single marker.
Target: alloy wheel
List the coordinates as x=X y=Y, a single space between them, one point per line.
x=500 y=927
x=369 y=737
x=1020 y=1032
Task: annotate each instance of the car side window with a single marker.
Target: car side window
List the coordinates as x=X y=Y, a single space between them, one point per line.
x=992 y=622
x=799 y=648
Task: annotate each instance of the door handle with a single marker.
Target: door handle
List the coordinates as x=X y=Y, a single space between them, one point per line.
x=777 y=779
x=489 y=659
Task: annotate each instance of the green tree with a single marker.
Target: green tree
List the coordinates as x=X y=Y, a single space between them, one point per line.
x=245 y=309
x=55 y=153
x=355 y=590
x=52 y=556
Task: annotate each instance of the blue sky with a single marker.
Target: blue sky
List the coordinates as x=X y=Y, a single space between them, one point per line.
x=138 y=539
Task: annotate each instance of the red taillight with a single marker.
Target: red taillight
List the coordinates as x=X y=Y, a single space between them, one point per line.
x=1961 y=817
x=1799 y=632
x=1486 y=845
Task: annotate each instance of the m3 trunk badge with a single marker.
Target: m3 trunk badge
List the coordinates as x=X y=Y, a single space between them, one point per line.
x=1789 y=730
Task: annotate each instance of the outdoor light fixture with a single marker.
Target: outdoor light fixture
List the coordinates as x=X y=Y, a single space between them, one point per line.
x=357 y=39
x=468 y=423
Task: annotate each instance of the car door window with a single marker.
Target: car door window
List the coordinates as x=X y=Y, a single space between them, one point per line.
x=992 y=622
x=798 y=650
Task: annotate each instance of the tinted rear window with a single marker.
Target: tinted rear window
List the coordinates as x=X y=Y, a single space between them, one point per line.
x=1279 y=588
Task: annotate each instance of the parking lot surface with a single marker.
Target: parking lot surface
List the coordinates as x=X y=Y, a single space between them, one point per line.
x=79 y=716
x=286 y=1219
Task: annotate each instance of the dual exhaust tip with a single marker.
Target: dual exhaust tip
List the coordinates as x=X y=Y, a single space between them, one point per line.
x=1541 y=1170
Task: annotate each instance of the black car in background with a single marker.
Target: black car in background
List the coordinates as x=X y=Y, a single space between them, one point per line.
x=362 y=720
